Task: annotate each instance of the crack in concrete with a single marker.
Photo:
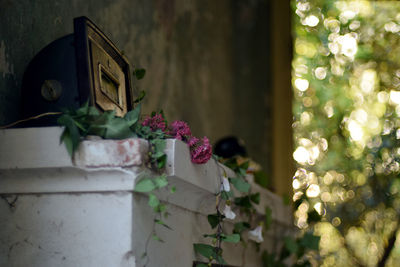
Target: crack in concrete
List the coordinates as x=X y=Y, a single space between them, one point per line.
x=10 y=200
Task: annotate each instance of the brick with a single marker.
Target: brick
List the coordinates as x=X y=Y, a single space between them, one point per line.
x=111 y=153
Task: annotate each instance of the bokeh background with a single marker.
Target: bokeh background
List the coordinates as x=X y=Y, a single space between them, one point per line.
x=346 y=82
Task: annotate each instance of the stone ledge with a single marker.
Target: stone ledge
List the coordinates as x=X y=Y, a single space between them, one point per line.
x=111 y=153
x=32 y=161
x=31 y=148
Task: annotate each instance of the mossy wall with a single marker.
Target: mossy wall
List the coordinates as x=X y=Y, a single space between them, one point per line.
x=207 y=61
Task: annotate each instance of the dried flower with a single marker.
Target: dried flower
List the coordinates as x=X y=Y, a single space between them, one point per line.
x=256 y=234
x=155 y=122
x=229 y=214
x=200 y=150
x=180 y=130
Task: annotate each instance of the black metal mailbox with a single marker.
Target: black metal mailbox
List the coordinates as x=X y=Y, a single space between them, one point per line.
x=83 y=66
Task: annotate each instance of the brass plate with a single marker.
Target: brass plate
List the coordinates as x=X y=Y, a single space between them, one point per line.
x=109 y=81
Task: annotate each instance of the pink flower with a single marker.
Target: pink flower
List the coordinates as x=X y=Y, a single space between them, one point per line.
x=200 y=150
x=155 y=122
x=180 y=130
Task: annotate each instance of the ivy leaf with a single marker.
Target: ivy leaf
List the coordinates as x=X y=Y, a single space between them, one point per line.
x=67 y=140
x=244 y=165
x=142 y=94
x=220 y=259
x=242 y=172
x=231 y=163
x=233 y=238
x=157 y=155
x=214 y=219
x=310 y=241
x=291 y=245
x=240 y=184
x=255 y=198
x=205 y=250
x=133 y=116
x=159 y=145
x=162 y=161
x=160 y=222
x=153 y=201
x=118 y=128
x=99 y=125
x=157 y=238
x=160 y=208
x=83 y=110
x=240 y=227
x=173 y=189
x=209 y=252
x=161 y=181
x=140 y=73
x=243 y=202
x=261 y=178
x=227 y=195
x=212 y=236
x=71 y=135
x=145 y=185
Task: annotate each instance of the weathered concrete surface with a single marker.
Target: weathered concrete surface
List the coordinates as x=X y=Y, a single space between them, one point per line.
x=61 y=215
x=207 y=61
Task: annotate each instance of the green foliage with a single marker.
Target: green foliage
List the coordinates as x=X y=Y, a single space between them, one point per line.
x=240 y=227
x=243 y=202
x=214 y=219
x=255 y=198
x=261 y=178
x=160 y=222
x=139 y=73
x=157 y=238
x=161 y=181
x=310 y=241
x=350 y=69
x=233 y=238
x=294 y=248
x=87 y=120
x=240 y=184
x=209 y=252
x=153 y=201
x=227 y=195
x=145 y=185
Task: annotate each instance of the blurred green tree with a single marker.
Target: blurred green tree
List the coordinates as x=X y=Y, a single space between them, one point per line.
x=346 y=80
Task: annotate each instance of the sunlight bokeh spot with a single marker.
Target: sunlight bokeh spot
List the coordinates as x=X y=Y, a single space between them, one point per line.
x=301 y=84
x=301 y=155
x=313 y=190
x=356 y=131
x=347 y=128
x=395 y=97
x=368 y=81
x=311 y=21
x=320 y=73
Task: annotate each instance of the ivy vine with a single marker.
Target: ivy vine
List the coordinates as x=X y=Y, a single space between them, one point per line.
x=87 y=120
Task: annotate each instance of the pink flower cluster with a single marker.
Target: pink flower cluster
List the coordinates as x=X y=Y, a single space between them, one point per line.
x=155 y=122
x=180 y=130
x=200 y=149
